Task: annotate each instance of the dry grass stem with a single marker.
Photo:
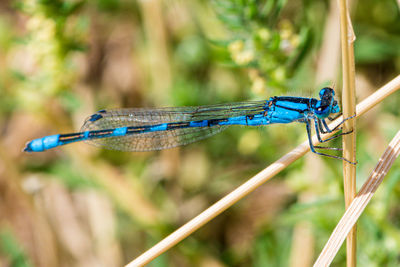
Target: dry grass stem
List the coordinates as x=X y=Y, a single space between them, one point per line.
x=358 y=205
x=254 y=182
x=347 y=37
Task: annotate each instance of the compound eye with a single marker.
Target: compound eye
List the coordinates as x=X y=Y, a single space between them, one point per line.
x=321 y=93
x=326 y=91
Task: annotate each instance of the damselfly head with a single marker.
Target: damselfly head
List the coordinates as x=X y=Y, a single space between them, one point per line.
x=327 y=95
x=327 y=104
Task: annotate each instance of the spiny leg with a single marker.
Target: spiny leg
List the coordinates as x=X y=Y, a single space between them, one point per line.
x=326 y=126
x=336 y=136
x=337 y=126
x=320 y=126
x=318 y=122
x=319 y=153
x=322 y=130
x=335 y=117
x=317 y=125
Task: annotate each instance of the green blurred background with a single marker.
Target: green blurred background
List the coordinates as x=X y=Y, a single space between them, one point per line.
x=77 y=205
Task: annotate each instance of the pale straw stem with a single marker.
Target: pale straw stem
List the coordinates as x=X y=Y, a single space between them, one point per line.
x=358 y=205
x=347 y=37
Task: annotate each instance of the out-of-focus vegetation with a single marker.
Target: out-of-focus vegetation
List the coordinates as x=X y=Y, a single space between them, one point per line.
x=60 y=61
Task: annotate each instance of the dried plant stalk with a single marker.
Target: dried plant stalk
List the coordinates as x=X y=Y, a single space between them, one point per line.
x=255 y=182
x=348 y=102
x=358 y=205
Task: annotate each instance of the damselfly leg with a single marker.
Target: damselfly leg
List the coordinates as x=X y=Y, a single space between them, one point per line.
x=312 y=147
x=337 y=126
x=318 y=130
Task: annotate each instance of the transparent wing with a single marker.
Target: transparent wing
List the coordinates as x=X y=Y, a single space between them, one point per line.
x=148 y=141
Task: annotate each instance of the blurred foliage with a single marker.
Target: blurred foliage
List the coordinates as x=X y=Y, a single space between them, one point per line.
x=78 y=205
x=262 y=40
x=9 y=245
x=54 y=31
